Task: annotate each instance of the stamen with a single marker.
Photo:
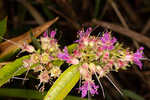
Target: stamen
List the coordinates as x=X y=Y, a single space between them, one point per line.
x=89 y=96
x=39 y=85
x=12 y=42
x=80 y=82
x=114 y=85
x=19 y=78
x=25 y=76
x=102 y=88
x=145 y=59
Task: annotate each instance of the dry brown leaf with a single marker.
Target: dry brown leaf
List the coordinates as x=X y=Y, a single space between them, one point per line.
x=7 y=47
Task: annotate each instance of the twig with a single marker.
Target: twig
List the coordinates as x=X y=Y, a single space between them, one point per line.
x=146 y=27
x=124 y=31
x=7 y=47
x=67 y=8
x=72 y=22
x=147 y=73
x=39 y=19
x=113 y=4
x=112 y=82
x=106 y=7
x=132 y=15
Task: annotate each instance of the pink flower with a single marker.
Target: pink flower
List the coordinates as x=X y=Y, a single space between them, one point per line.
x=84 y=34
x=88 y=86
x=52 y=33
x=87 y=33
x=45 y=34
x=27 y=63
x=137 y=56
x=44 y=77
x=65 y=56
x=108 y=41
x=28 y=48
x=73 y=61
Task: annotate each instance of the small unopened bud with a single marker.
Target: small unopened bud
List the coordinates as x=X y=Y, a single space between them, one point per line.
x=45 y=43
x=91 y=44
x=35 y=58
x=38 y=68
x=27 y=63
x=128 y=58
x=55 y=71
x=85 y=66
x=100 y=71
x=73 y=61
x=44 y=58
x=86 y=43
x=92 y=67
x=28 y=48
x=44 y=77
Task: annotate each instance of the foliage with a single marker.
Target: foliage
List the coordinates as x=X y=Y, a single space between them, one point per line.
x=3 y=27
x=64 y=84
x=11 y=69
x=29 y=94
x=88 y=58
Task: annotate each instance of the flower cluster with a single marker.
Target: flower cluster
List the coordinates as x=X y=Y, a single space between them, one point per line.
x=95 y=55
x=98 y=56
x=43 y=59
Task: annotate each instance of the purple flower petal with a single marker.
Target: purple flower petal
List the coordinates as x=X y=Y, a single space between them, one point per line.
x=52 y=33
x=45 y=34
x=88 y=86
x=65 y=50
x=137 y=56
x=88 y=31
x=108 y=42
x=65 y=55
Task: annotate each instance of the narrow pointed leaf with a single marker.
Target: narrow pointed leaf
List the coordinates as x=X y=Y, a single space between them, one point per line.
x=72 y=47
x=64 y=84
x=9 y=70
x=30 y=94
x=3 y=27
x=8 y=48
x=132 y=95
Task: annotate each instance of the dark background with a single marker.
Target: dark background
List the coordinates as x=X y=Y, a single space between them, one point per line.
x=77 y=14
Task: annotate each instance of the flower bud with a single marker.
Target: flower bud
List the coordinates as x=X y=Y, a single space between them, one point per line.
x=35 y=58
x=100 y=71
x=44 y=58
x=44 y=77
x=55 y=71
x=45 y=43
x=92 y=67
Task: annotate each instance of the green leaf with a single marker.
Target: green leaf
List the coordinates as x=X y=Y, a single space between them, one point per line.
x=97 y=6
x=22 y=93
x=30 y=94
x=72 y=47
x=35 y=42
x=3 y=27
x=64 y=84
x=57 y=62
x=47 y=12
x=22 y=70
x=75 y=98
x=8 y=55
x=9 y=70
x=132 y=95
